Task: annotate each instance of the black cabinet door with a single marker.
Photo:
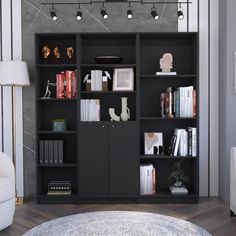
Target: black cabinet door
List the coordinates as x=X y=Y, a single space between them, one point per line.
x=123 y=159
x=93 y=160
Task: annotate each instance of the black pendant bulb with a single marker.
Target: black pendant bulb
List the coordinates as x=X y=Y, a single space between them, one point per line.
x=180 y=13
x=154 y=13
x=129 y=12
x=53 y=13
x=79 y=14
x=103 y=12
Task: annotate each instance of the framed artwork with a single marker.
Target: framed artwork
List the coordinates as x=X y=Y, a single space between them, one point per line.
x=123 y=79
x=153 y=143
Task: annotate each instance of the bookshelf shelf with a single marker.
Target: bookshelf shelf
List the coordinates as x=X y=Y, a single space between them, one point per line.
x=167 y=157
x=94 y=153
x=108 y=65
x=168 y=76
x=55 y=65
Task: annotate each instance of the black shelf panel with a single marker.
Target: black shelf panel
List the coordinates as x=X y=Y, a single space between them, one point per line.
x=57 y=99
x=168 y=76
x=58 y=199
x=60 y=166
x=108 y=92
x=55 y=65
x=166 y=118
x=166 y=193
x=58 y=132
x=108 y=65
x=166 y=157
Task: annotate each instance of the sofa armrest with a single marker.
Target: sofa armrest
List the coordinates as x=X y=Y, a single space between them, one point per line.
x=7 y=168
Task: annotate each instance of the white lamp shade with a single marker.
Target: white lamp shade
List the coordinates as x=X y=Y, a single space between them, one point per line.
x=14 y=73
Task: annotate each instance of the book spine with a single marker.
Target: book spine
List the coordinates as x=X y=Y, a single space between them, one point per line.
x=190 y=141
x=45 y=148
x=41 y=154
x=194 y=103
x=194 y=142
x=60 y=150
x=50 y=152
x=73 y=84
x=68 y=83
x=173 y=103
x=60 y=86
x=173 y=146
x=153 y=180
x=177 y=103
x=55 y=152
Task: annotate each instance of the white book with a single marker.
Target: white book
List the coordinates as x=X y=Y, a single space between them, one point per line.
x=194 y=142
x=98 y=112
x=141 y=180
x=181 y=101
x=166 y=73
x=177 y=133
x=191 y=101
x=93 y=80
x=148 y=179
x=185 y=146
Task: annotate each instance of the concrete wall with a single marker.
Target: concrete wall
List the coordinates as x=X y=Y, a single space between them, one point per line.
x=36 y=19
x=227 y=128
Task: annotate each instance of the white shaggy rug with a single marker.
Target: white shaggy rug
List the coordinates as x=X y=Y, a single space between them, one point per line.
x=117 y=223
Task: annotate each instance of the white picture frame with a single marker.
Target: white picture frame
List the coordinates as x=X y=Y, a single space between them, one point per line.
x=123 y=79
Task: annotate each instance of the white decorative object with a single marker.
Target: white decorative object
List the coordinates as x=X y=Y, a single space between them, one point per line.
x=178 y=190
x=48 y=92
x=123 y=79
x=233 y=180
x=113 y=115
x=7 y=191
x=166 y=64
x=153 y=143
x=125 y=112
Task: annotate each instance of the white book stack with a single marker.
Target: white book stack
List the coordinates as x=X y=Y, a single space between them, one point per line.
x=96 y=80
x=147 y=180
x=90 y=110
x=178 y=190
x=183 y=145
x=186 y=101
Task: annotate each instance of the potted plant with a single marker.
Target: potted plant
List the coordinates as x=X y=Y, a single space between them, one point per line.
x=177 y=177
x=59 y=125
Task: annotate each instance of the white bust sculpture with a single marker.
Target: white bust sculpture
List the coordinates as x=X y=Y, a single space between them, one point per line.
x=166 y=62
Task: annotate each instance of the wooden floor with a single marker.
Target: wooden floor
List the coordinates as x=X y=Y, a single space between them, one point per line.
x=211 y=214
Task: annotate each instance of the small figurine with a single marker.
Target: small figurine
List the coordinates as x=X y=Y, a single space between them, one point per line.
x=56 y=52
x=48 y=92
x=45 y=51
x=70 y=52
x=166 y=62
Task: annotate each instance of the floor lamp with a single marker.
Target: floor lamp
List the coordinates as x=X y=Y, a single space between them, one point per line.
x=14 y=73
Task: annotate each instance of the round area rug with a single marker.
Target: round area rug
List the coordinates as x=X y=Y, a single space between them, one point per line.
x=117 y=223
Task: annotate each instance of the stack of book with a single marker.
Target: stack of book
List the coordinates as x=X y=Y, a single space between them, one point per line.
x=90 y=110
x=51 y=152
x=180 y=102
x=66 y=84
x=147 y=180
x=184 y=142
x=96 y=80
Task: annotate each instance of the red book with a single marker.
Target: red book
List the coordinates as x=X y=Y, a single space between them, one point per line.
x=73 y=84
x=60 y=85
x=68 y=83
x=154 y=181
x=194 y=103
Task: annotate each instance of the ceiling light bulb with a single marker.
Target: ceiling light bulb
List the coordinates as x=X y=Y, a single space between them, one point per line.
x=104 y=14
x=180 y=14
x=129 y=14
x=79 y=15
x=154 y=13
x=53 y=14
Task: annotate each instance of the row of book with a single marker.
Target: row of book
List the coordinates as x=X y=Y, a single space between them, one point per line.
x=147 y=179
x=180 y=102
x=90 y=110
x=66 y=84
x=51 y=152
x=184 y=142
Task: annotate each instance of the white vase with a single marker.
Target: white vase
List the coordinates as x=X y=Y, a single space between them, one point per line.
x=125 y=112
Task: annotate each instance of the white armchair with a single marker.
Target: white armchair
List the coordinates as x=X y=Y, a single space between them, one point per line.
x=7 y=191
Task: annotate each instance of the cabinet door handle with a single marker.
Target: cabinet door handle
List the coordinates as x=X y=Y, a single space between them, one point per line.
x=103 y=126
x=113 y=126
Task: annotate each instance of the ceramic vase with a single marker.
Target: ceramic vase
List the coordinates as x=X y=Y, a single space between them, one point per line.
x=125 y=112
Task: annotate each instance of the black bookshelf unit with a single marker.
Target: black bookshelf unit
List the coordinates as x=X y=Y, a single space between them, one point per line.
x=102 y=159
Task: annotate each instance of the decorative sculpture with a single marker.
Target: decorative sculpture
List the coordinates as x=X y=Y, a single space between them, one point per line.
x=56 y=52
x=125 y=112
x=48 y=93
x=166 y=62
x=70 y=52
x=45 y=51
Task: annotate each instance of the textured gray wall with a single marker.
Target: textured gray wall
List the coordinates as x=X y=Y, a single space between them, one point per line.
x=227 y=136
x=36 y=19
